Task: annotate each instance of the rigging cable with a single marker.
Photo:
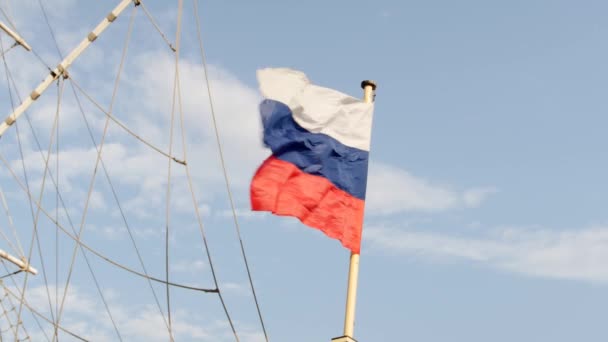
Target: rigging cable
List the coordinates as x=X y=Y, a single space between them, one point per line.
x=199 y=217
x=11 y=274
x=52 y=32
x=18 y=251
x=29 y=307
x=19 y=248
x=122 y=125
x=54 y=133
x=108 y=177
x=10 y=22
x=48 y=24
x=124 y=218
x=89 y=248
x=156 y=26
x=6 y=313
x=35 y=235
x=221 y=154
x=8 y=18
x=56 y=186
x=44 y=160
x=77 y=240
x=178 y=31
x=57 y=228
x=34 y=217
x=92 y=182
x=62 y=203
x=30 y=311
x=143 y=275
x=4 y=52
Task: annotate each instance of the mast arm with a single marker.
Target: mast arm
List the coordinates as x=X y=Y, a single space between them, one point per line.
x=22 y=263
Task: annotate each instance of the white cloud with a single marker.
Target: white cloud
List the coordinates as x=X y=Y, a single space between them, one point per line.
x=392 y=190
x=108 y=232
x=204 y=210
x=97 y=201
x=132 y=163
x=236 y=107
x=88 y=319
x=474 y=197
x=240 y=213
x=235 y=288
x=577 y=254
x=138 y=173
x=189 y=266
x=147 y=325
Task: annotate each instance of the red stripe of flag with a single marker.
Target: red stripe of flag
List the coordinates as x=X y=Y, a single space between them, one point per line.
x=283 y=189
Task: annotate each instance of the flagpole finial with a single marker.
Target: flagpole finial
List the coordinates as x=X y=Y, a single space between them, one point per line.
x=366 y=83
x=369 y=91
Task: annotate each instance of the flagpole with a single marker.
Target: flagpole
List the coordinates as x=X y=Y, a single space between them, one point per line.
x=353 y=273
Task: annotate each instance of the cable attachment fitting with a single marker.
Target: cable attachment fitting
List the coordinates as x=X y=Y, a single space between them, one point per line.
x=179 y=161
x=10 y=120
x=60 y=71
x=26 y=265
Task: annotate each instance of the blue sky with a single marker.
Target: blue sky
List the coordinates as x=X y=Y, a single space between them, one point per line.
x=484 y=218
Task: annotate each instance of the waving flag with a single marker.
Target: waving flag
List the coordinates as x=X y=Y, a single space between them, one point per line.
x=320 y=141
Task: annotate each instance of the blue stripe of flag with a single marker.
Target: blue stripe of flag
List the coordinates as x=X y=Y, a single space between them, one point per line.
x=314 y=153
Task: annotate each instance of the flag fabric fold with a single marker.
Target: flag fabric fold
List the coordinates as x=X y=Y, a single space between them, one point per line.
x=320 y=141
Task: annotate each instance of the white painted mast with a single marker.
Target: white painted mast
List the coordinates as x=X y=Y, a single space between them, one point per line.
x=353 y=273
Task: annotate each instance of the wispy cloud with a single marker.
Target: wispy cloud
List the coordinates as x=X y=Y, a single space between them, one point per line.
x=141 y=169
x=384 y=14
x=575 y=254
x=135 y=323
x=473 y=198
x=242 y=213
x=189 y=266
x=392 y=190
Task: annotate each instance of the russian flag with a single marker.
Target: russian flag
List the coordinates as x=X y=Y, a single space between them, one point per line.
x=320 y=141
